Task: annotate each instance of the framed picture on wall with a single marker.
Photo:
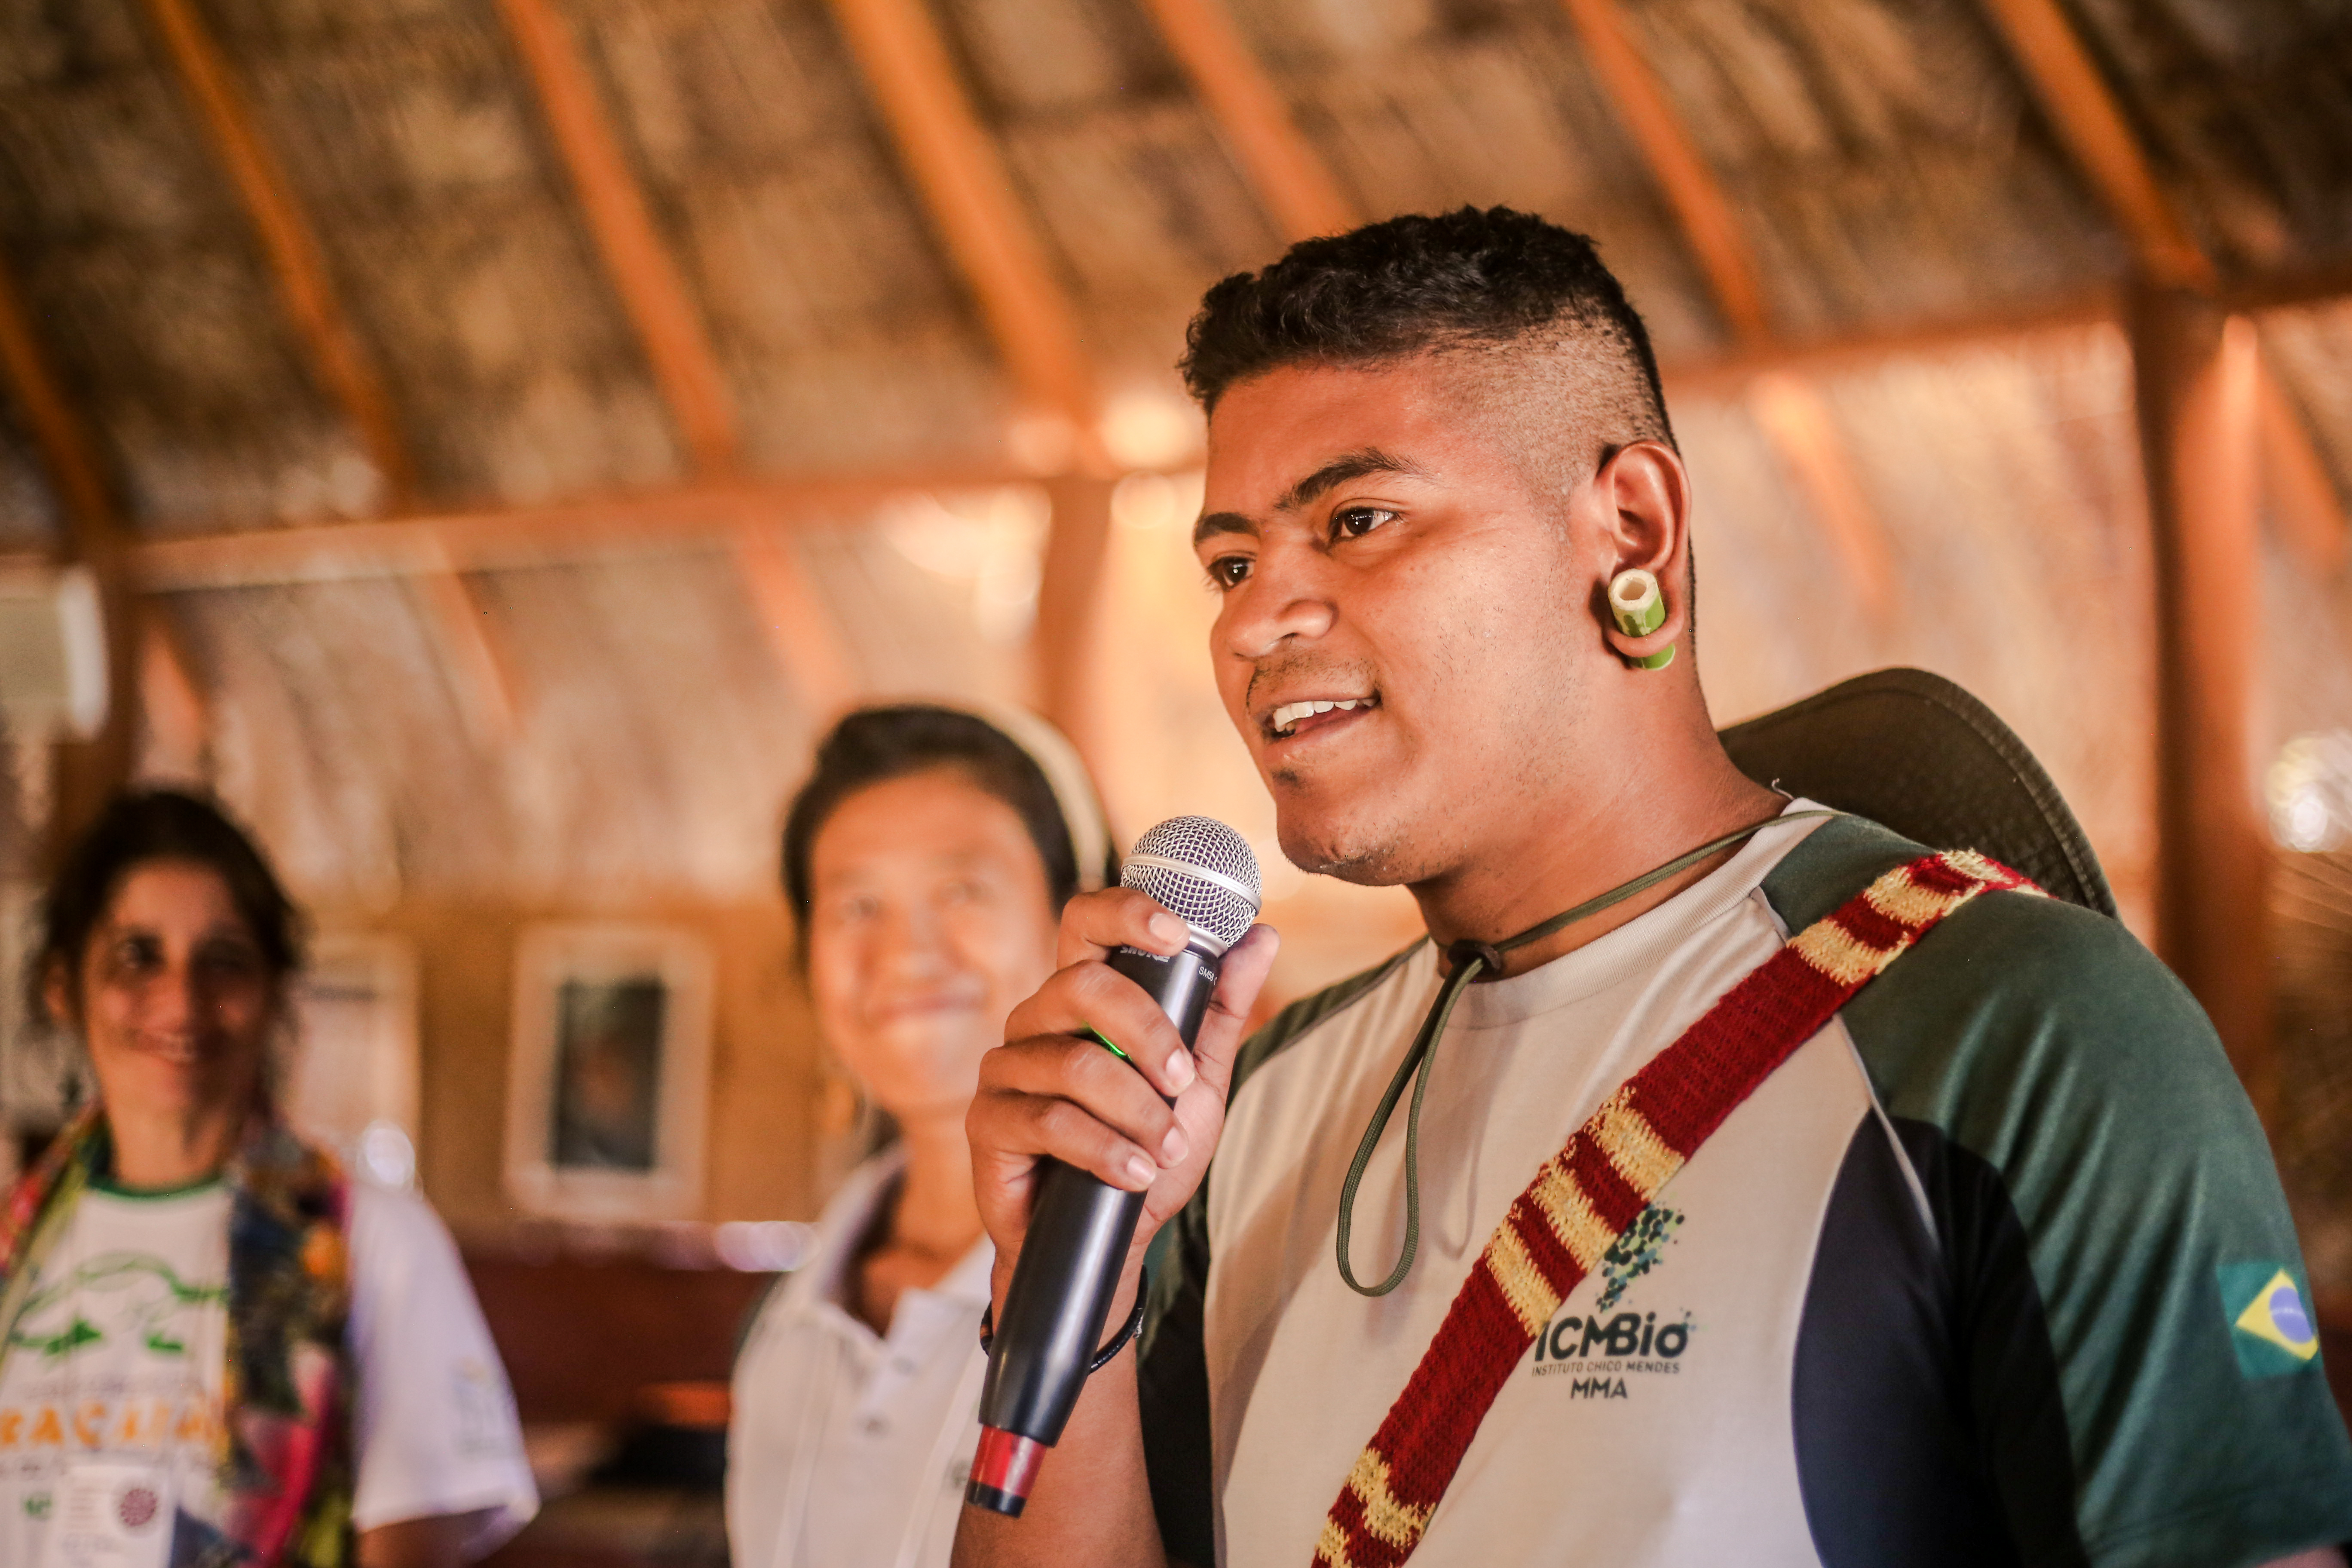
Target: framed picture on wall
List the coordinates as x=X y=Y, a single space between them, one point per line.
x=610 y=1072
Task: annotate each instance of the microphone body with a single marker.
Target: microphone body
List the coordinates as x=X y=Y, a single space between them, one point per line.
x=1080 y=1227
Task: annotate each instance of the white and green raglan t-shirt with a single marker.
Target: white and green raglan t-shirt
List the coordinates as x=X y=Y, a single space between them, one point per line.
x=1995 y=1269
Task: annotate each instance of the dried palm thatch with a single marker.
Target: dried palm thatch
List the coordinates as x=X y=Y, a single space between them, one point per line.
x=1889 y=165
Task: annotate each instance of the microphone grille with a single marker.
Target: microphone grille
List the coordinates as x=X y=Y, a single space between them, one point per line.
x=1201 y=870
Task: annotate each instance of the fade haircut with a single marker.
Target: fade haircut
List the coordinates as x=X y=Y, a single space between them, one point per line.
x=1563 y=344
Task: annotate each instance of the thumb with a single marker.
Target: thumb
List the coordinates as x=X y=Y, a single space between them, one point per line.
x=1239 y=980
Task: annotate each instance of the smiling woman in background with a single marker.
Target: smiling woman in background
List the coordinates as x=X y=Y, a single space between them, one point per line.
x=927 y=861
x=218 y=1349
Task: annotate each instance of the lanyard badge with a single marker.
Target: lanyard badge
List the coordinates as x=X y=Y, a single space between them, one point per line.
x=110 y=1513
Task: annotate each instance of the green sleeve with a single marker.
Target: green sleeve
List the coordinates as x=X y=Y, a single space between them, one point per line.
x=2045 y=1042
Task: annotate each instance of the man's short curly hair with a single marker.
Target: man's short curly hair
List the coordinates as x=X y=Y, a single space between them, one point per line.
x=1475 y=278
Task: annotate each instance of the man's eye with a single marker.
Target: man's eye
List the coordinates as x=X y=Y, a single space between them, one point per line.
x=1227 y=570
x=1355 y=522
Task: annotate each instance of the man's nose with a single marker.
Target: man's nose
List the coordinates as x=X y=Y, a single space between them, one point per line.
x=1276 y=605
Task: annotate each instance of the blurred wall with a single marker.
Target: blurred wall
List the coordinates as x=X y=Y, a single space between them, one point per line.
x=765 y=1145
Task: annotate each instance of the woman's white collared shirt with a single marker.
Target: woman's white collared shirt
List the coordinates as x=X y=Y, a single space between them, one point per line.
x=848 y=1449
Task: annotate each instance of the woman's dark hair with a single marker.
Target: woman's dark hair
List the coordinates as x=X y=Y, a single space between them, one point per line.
x=145 y=826
x=874 y=745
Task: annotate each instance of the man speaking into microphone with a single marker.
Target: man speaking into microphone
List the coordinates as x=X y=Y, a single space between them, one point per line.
x=1723 y=1180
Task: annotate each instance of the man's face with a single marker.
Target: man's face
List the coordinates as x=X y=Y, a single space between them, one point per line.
x=1406 y=625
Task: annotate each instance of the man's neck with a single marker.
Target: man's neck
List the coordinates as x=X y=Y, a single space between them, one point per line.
x=1599 y=831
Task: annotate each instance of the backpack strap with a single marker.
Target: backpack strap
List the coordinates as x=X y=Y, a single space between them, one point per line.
x=1585 y=1197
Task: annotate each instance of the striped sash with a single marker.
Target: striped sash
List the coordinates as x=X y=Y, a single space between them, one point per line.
x=1585 y=1195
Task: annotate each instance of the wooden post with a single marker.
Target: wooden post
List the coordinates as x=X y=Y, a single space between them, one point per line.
x=2197 y=375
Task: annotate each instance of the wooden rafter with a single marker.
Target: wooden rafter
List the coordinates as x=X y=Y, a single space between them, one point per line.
x=652 y=288
x=1792 y=413
x=2089 y=119
x=799 y=625
x=2302 y=490
x=299 y=267
x=177 y=559
x=66 y=450
x=516 y=536
x=460 y=620
x=1709 y=223
x=1803 y=428
x=968 y=193
x=83 y=774
x=1291 y=178
x=172 y=701
x=297 y=264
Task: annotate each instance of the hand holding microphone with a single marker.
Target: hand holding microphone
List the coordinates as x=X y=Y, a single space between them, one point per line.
x=1101 y=1111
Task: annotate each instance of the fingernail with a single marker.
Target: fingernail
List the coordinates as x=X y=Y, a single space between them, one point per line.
x=1167 y=928
x=1141 y=1172
x=1171 y=1148
x=1179 y=1070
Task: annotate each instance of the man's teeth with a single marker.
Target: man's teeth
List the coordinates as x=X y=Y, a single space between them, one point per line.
x=1290 y=713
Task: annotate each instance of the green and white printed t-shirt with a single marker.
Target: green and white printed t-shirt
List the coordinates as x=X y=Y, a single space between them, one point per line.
x=1993 y=1270
x=116 y=1352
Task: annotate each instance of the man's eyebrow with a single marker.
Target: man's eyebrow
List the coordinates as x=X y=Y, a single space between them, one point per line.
x=1220 y=522
x=1337 y=471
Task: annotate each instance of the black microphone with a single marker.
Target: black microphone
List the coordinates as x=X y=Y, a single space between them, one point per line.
x=1080 y=1227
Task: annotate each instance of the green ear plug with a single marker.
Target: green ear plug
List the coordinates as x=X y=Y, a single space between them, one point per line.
x=1640 y=609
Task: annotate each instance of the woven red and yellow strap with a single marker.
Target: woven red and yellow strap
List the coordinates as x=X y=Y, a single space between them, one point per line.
x=1585 y=1195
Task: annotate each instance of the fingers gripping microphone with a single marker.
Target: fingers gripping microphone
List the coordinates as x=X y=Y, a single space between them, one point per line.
x=1079 y=1228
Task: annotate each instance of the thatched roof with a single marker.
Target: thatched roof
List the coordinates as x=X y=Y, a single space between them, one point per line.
x=1890 y=167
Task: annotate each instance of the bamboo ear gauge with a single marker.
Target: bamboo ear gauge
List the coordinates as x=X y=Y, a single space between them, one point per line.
x=1639 y=609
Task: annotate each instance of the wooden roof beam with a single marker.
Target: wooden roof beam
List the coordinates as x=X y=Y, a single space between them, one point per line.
x=1793 y=414
x=965 y=186
x=488 y=692
x=519 y=536
x=2090 y=121
x=83 y=775
x=67 y=453
x=1290 y=177
x=799 y=625
x=2302 y=490
x=1708 y=221
x=297 y=264
x=969 y=195
x=642 y=272
x=175 y=560
x=178 y=717
x=1803 y=429
x=299 y=267
x=677 y=342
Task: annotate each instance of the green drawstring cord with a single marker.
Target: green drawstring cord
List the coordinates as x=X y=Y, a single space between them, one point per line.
x=1470 y=960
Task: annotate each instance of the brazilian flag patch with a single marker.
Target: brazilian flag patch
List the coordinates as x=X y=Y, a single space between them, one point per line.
x=2269 y=1314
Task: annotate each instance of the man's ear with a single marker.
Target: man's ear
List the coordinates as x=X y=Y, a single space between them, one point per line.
x=1643 y=495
